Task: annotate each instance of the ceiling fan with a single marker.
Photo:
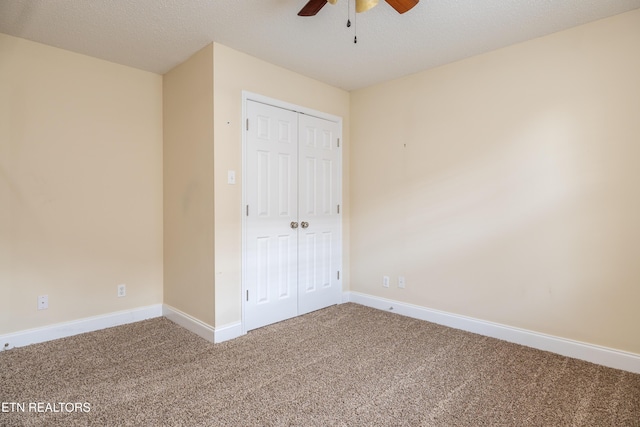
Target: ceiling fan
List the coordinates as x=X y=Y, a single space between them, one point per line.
x=313 y=6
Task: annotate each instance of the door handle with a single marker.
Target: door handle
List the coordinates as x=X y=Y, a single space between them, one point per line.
x=294 y=225
x=304 y=224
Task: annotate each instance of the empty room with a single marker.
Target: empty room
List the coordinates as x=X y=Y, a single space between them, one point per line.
x=320 y=212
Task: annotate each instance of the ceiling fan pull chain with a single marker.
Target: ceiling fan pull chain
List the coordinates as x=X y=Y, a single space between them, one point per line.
x=348 y=13
x=355 y=28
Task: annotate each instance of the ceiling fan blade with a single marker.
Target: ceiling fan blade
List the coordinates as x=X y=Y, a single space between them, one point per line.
x=312 y=7
x=402 y=6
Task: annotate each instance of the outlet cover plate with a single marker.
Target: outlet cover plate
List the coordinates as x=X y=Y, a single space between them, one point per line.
x=385 y=281
x=43 y=302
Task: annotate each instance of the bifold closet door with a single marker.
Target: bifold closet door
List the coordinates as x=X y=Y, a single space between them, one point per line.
x=292 y=243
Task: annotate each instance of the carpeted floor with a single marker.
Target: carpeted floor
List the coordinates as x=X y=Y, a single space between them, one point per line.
x=347 y=365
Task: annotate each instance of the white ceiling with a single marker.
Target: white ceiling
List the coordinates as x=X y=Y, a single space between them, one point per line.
x=156 y=35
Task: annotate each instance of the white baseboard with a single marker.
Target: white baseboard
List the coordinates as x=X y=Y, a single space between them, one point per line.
x=592 y=353
x=228 y=332
x=95 y=323
x=579 y=350
x=189 y=322
x=80 y=326
x=208 y=332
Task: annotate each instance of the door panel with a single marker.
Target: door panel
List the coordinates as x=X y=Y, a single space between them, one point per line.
x=318 y=286
x=271 y=244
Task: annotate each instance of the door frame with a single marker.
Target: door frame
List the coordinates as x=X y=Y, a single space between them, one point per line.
x=250 y=96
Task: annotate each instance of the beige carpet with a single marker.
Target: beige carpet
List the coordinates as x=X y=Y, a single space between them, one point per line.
x=343 y=366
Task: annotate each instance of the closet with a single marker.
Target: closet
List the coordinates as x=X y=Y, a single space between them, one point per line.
x=292 y=222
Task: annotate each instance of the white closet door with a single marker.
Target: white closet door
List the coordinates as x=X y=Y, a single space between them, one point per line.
x=271 y=250
x=292 y=245
x=319 y=236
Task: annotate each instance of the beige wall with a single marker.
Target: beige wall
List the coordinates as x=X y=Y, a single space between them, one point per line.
x=80 y=185
x=233 y=73
x=517 y=196
x=504 y=187
x=188 y=187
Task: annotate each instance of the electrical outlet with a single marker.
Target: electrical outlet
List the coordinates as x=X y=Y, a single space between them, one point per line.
x=122 y=290
x=401 y=282
x=385 y=281
x=43 y=302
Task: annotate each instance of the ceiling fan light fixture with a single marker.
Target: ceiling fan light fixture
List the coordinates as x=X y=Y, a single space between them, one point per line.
x=333 y=1
x=364 y=5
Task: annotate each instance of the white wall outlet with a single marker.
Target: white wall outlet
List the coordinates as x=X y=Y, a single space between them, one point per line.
x=122 y=290
x=401 y=282
x=385 y=281
x=231 y=177
x=43 y=302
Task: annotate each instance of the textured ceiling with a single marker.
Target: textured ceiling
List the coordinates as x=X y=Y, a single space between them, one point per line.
x=156 y=35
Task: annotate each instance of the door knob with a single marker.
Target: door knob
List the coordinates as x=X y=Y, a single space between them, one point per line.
x=294 y=224
x=304 y=224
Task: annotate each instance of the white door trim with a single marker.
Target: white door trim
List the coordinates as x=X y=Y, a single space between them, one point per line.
x=250 y=96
